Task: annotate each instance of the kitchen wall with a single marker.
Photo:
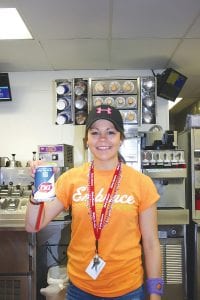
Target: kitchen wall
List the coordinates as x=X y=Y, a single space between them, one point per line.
x=29 y=120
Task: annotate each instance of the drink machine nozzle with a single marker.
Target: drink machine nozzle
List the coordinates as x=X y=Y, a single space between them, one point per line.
x=13 y=161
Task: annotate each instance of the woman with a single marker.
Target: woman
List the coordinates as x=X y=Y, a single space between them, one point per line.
x=113 y=211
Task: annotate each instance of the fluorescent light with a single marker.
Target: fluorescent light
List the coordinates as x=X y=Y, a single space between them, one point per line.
x=173 y=103
x=12 y=26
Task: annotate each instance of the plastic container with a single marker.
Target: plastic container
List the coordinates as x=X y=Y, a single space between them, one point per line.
x=44 y=183
x=57 y=274
x=57 y=280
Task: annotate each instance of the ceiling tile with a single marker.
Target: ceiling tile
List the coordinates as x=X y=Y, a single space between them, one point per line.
x=194 y=31
x=78 y=54
x=24 y=55
x=153 y=18
x=187 y=56
x=142 y=53
x=62 y=19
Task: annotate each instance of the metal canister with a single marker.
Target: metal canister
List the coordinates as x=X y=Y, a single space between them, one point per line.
x=44 y=183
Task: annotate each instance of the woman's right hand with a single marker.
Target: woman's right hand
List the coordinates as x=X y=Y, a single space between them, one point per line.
x=35 y=163
x=38 y=216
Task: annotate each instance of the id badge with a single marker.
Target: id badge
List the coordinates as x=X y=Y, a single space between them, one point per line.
x=95 y=267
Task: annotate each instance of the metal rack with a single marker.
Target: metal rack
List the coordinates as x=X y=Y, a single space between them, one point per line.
x=135 y=98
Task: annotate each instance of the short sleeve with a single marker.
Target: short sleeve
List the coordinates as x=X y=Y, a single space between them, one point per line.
x=148 y=193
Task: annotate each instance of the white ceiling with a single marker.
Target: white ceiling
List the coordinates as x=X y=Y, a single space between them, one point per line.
x=108 y=34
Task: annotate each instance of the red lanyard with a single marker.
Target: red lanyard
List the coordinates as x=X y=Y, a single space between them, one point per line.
x=107 y=201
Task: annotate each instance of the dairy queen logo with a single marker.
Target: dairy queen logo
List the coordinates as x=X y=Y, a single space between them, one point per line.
x=45 y=187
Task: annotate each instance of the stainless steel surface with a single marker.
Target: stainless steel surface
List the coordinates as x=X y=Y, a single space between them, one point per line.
x=148 y=100
x=197 y=262
x=166 y=173
x=117 y=92
x=15 y=287
x=14 y=252
x=18 y=264
x=12 y=224
x=15 y=176
x=174 y=264
x=173 y=216
x=190 y=141
x=80 y=101
x=15 y=189
x=163 y=158
x=17 y=222
x=168 y=181
x=193 y=253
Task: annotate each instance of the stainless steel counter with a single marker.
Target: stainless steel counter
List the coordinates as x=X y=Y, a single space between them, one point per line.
x=165 y=217
x=14 y=225
x=17 y=222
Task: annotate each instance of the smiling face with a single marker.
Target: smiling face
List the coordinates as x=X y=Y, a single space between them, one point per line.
x=104 y=141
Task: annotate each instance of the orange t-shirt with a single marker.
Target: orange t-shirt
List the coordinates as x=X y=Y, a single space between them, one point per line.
x=119 y=243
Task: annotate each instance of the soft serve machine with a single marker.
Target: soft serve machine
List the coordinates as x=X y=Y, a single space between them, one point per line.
x=165 y=164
